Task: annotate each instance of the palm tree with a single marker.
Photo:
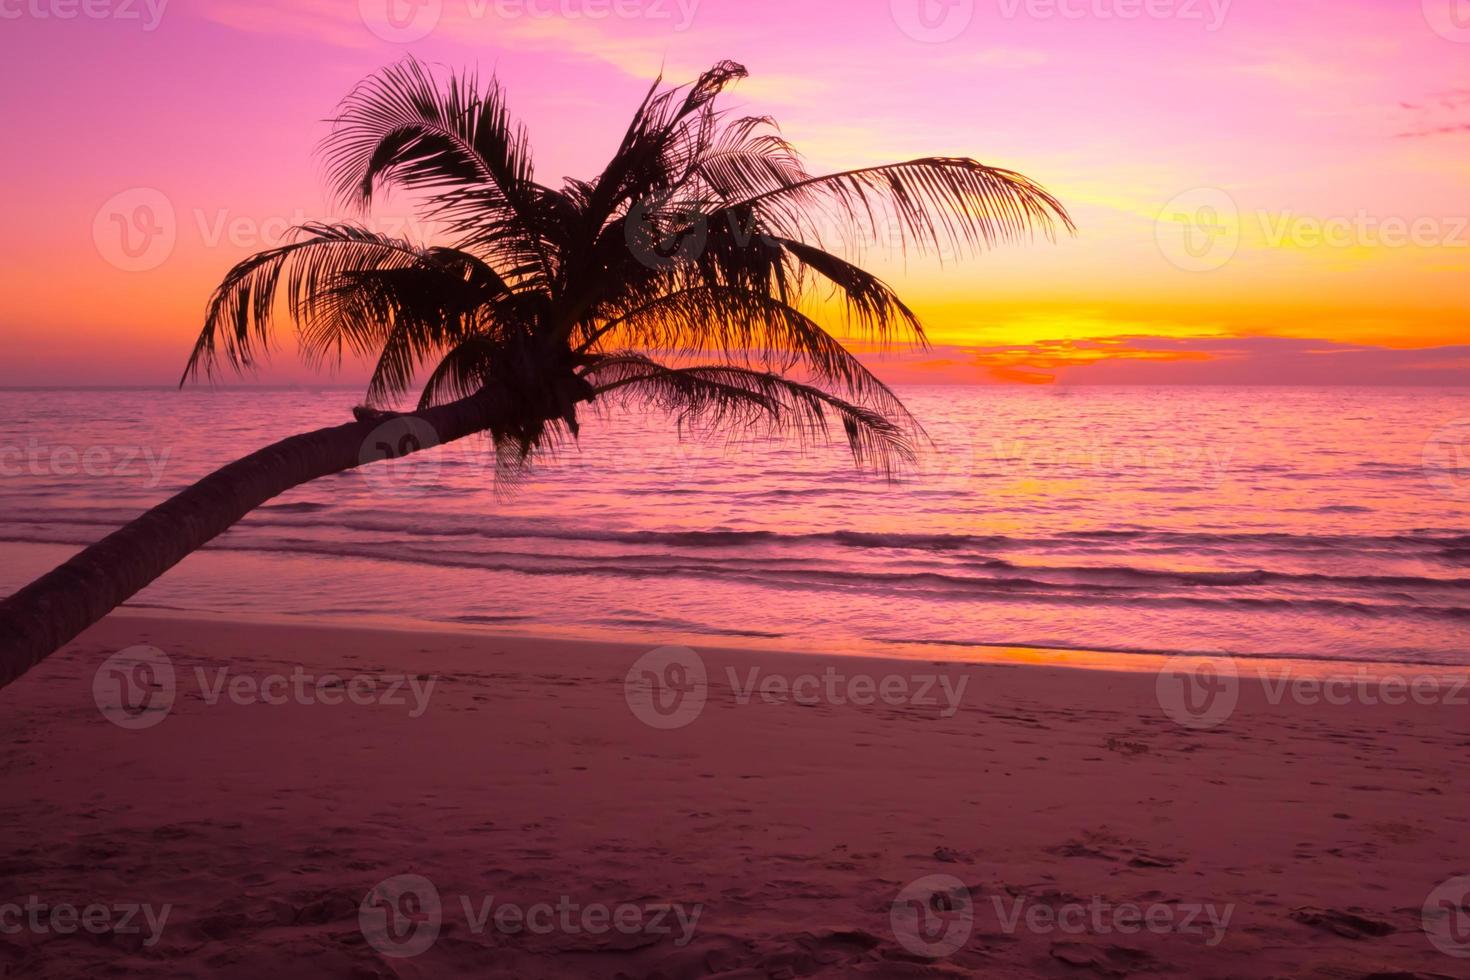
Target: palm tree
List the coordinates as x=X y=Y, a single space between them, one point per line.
x=684 y=278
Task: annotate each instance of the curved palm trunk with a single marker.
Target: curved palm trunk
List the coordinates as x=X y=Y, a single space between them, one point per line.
x=43 y=616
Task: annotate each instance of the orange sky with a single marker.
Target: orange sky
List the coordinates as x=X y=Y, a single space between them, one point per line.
x=1240 y=171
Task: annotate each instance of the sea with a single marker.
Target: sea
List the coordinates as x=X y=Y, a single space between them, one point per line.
x=1280 y=523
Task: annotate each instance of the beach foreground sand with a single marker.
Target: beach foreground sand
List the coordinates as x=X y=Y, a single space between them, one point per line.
x=501 y=807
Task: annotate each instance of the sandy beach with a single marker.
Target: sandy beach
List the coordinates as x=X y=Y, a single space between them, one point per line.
x=550 y=822
x=617 y=489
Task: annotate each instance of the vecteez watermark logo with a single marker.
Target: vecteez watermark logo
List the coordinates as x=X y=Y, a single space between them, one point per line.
x=1041 y=459
x=140 y=229
x=146 y=14
x=662 y=232
x=1450 y=19
x=402 y=917
x=1446 y=917
x=662 y=235
x=1200 y=691
x=1362 y=687
x=1447 y=459
x=1209 y=14
x=1102 y=917
x=400 y=21
x=932 y=21
x=135 y=688
x=938 y=21
x=839 y=688
x=135 y=230
x=678 y=15
x=35 y=458
x=933 y=916
x=1203 y=692
x=667 y=688
x=43 y=918
x=1362 y=229
x=393 y=458
x=409 y=692
x=949 y=462
x=957 y=461
x=406 y=21
x=1199 y=230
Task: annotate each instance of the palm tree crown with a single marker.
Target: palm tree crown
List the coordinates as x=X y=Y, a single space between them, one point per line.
x=682 y=277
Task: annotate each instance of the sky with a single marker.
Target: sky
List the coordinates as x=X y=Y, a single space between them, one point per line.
x=1266 y=191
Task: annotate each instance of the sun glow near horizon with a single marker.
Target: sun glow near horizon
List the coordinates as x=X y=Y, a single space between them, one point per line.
x=1300 y=178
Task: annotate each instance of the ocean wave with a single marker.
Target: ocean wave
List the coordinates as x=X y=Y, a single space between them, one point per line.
x=1401 y=656
x=1037 y=585
x=461 y=525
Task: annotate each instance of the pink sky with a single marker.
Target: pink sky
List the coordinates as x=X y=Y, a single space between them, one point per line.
x=1287 y=116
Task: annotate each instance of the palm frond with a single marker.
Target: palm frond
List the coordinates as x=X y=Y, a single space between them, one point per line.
x=933 y=205
x=663 y=145
x=454 y=139
x=750 y=329
x=750 y=157
x=241 y=314
x=463 y=369
x=548 y=300
x=871 y=305
x=719 y=395
x=402 y=125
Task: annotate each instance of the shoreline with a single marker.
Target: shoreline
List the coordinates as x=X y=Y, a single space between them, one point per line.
x=984 y=654
x=390 y=574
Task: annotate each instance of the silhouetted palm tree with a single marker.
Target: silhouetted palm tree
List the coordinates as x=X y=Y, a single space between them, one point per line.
x=700 y=243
